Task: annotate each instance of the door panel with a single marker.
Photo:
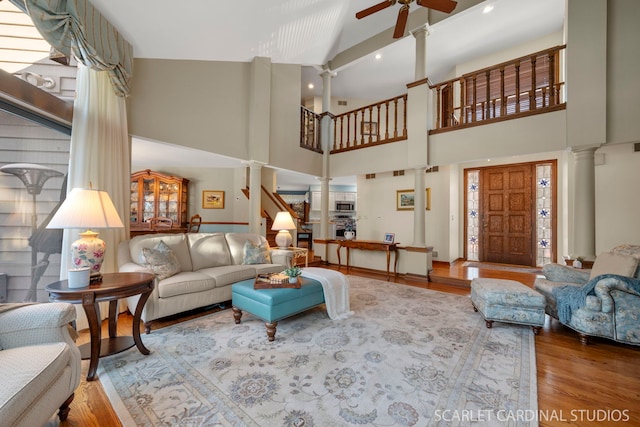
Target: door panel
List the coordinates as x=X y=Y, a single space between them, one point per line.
x=507 y=212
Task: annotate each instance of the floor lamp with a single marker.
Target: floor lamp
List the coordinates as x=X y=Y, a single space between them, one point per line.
x=33 y=177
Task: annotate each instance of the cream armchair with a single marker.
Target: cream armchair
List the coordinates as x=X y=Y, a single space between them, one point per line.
x=39 y=363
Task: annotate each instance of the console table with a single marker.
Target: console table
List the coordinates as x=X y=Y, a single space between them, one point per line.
x=370 y=245
x=114 y=286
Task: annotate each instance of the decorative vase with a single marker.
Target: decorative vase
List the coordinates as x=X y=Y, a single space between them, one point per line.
x=349 y=235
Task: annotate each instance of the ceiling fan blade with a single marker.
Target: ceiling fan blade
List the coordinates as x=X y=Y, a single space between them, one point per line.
x=401 y=23
x=375 y=8
x=445 y=6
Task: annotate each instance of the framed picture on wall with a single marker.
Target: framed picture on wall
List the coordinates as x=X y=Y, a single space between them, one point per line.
x=369 y=128
x=405 y=200
x=389 y=238
x=213 y=199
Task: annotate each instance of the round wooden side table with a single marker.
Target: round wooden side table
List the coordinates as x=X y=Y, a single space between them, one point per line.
x=113 y=287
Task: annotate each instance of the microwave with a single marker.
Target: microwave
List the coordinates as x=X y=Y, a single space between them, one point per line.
x=345 y=206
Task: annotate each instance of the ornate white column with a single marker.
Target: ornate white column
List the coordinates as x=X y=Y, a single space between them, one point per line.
x=255 y=186
x=420 y=34
x=325 y=143
x=584 y=204
x=419 y=207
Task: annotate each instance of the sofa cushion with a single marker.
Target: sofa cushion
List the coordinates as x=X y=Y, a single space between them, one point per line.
x=27 y=371
x=608 y=263
x=228 y=274
x=161 y=260
x=185 y=283
x=208 y=250
x=177 y=242
x=256 y=254
x=236 y=243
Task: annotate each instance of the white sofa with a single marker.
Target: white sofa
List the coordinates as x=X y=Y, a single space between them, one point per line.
x=39 y=363
x=209 y=264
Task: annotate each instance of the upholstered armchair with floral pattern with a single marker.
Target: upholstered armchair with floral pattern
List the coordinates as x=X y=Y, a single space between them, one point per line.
x=603 y=301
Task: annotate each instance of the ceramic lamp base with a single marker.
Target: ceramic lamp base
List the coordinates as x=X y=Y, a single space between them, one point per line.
x=88 y=252
x=283 y=239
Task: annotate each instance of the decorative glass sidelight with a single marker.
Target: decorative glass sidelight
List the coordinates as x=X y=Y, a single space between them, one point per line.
x=544 y=201
x=473 y=214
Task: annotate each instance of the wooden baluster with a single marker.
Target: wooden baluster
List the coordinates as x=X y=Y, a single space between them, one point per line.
x=378 y=119
x=463 y=110
x=517 y=86
x=404 y=120
x=474 y=102
x=503 y=99
x=386 y=119
x=395 y=118
x=348 y=130
x=355 y=128
x=533 y=99
x=370 y=124
x=438 y=103
x=487 y=82
x=361 y=127
x=341 y=131
x=552 y=74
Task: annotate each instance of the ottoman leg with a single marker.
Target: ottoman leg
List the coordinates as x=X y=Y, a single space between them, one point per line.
x=536 y=330
x=271 y=330
x=237 y=314
x=489 y=323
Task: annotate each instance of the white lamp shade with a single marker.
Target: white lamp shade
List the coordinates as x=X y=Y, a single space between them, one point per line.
x=283 y=221
x=86 y=208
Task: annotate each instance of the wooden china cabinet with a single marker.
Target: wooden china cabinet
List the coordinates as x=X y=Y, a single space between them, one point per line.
x=154 y=195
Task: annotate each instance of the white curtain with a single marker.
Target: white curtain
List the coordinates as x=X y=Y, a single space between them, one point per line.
x=100 y=157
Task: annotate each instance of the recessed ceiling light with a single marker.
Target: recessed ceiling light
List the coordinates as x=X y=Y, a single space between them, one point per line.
x=311 y=86
x=487 y=8
x=378 y=56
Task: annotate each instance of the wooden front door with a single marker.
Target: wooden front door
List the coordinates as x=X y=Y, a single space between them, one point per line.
x=507 y=234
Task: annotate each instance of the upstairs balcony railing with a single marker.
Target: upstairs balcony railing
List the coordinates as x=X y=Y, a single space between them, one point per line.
x=375 y=124
x=520 y=87
x=527 y=85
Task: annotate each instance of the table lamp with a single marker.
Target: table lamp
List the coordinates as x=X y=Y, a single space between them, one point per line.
x=87 y=208
x=283 y=223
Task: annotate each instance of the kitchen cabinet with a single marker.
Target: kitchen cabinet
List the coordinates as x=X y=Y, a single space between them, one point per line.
x=334 y=196
x=154 y=194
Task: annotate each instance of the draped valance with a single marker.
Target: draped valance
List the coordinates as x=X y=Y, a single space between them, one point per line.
x=76 y=27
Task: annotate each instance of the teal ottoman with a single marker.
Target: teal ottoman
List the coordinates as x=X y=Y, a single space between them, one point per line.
x=272 y=305
x=507 y=301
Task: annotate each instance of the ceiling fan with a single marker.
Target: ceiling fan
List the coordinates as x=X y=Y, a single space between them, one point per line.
x=445 y=6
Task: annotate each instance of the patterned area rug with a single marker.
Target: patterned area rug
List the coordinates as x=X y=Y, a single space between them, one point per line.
x=408 y=356
x=490 y=266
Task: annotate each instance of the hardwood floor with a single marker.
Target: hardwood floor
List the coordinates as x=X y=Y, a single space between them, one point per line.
x=578 y=385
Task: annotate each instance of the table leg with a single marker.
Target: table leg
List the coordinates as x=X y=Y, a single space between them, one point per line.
x=136 y=322
x=113 y=319
x=395 y=262
x=338 y=252
x=388 y=259
x=347 y=258
x=92 y=310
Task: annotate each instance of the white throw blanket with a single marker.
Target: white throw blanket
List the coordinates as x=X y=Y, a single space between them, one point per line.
x=336 y=291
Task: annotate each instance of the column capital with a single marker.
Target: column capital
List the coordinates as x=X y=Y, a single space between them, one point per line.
x=324 y=179
x=583 y=148
x=254 y=164
x=425 y=28
x=328 y=73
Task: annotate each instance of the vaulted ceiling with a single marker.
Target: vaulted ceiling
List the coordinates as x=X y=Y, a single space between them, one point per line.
x=317 y=33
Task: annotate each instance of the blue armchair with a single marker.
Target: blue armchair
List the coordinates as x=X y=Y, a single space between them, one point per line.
x=603 y=302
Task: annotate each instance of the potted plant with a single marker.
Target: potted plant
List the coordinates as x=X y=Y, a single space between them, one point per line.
x=293 y=272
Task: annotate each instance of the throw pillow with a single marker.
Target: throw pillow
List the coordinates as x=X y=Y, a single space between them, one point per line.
x=608 y=263
x=161 y=260
x=256 y=254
